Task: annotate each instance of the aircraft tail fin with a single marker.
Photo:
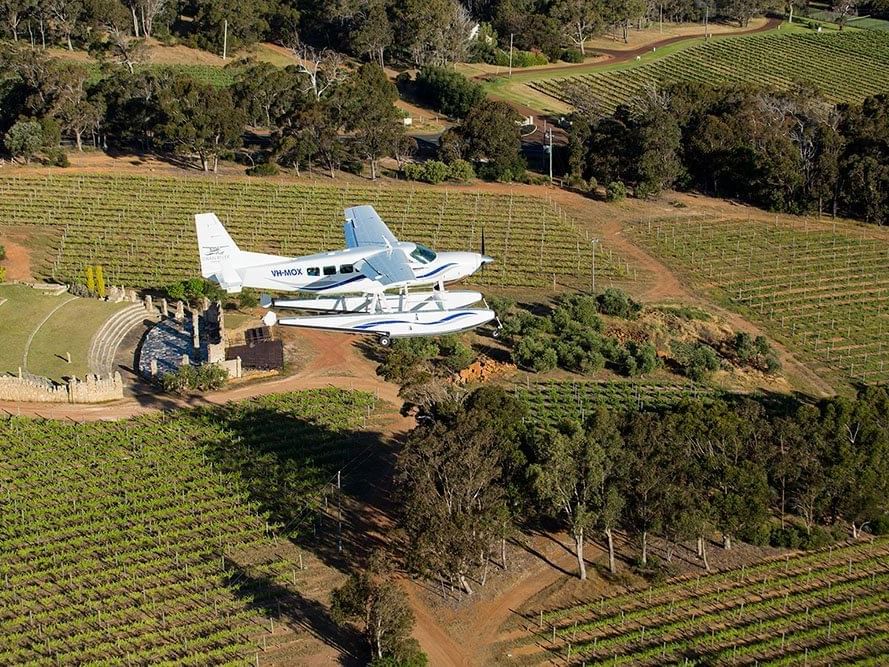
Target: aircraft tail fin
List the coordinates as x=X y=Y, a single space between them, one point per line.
x=219 y=253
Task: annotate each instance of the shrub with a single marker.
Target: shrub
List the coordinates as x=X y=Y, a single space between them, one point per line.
x=461 y=170
x=578 y=308
x=615 y=191
x=100 y=281
x=644 y=355
x=521 y=58
x=193 y=289
x=24 y=139
x=456 y=355
x=404 y=358
x=264 y=169
x=617 y=303
x=435 y=172
x=448 y=91
x=483 y=52
x=2 y=253
x=702 y=362
x=535 y=353
x=57 y=157
x=797 y=537
x=201 y=378
x=248 y=299
x=880 y=525
x=431 y=171
x=2 y=274
x=572 y=56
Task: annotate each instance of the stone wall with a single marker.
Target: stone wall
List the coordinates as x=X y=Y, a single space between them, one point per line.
x=92 y=389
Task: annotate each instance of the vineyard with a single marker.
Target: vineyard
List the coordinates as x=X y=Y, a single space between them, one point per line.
x=552 y=402
x=820 y=608
x=772 y=59
x=823 y=288
x=141 y=230
x=155 y=540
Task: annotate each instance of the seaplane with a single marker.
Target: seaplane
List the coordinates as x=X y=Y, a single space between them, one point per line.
x=365 y=288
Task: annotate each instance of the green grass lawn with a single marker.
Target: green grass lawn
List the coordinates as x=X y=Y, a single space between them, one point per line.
x=68 y=329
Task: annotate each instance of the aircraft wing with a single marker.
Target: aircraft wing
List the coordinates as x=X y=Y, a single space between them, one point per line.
x=364 y=227
x=387 y=267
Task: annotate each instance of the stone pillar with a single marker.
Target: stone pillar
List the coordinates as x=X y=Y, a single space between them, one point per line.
x=196 y=331
x=153 y=367
x=180 y=312
x=238 y=370
x=149 y=305
x=185 y=360
x=132 y=296
x=205 y=304
x=165 y=308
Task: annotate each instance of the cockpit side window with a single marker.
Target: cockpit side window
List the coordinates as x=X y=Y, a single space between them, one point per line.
x=423 y=254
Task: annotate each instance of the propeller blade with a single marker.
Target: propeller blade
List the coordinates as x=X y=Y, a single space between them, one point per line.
x=483 y=241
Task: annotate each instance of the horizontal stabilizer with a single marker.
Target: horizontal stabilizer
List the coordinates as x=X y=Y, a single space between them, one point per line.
x=229 y=280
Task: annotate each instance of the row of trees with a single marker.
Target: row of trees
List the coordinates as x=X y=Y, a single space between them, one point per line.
x=317 y=113
x=409 y=31
x=726 y=469
x=787 y=151
x=307 y=108
x=414 y=31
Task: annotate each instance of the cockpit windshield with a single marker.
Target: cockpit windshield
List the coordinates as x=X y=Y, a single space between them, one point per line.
x=423 y=254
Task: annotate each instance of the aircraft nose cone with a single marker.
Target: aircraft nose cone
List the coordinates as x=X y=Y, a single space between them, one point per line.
x=486 y=260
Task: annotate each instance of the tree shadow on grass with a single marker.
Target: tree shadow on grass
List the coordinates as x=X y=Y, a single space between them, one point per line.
x=283 y=605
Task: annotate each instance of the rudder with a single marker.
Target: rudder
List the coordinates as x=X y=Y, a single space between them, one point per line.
x=217 y=248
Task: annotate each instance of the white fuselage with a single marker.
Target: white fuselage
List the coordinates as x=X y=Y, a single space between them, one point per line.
x=336 y=272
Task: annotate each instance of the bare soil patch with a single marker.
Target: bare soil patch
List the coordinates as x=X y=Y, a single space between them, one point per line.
x=18 y=260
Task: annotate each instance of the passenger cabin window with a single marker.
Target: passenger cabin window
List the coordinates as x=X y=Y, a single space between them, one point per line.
x=313 y=271
x=423 y=254
x=346 y=268
x=329 y=270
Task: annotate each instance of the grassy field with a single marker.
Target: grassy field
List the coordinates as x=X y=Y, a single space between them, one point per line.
x=158 y=545
x=821 y=288
x=777 y=59
x=58 y=324
x=820 y=608
x=142 y=229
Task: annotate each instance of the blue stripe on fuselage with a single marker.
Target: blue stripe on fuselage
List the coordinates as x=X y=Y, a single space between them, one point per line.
x=438 y=270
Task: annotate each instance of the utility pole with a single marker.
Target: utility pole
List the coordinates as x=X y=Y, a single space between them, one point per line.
x=339 y=512
x=510 y=53
x=548 y=147
x=225 y=40
x=593 y=284
x=706 y=21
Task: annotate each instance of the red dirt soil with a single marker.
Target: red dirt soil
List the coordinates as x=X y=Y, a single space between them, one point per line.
x=17 y=262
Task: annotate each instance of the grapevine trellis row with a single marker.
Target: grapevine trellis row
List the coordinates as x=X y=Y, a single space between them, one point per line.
x=822 y=287
x=141 y=229
x=142 y=553
x=554 y=401
x=825 y=606
x=773 y=59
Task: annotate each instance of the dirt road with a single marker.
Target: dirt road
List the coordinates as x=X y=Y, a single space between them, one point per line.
x=336 y=362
